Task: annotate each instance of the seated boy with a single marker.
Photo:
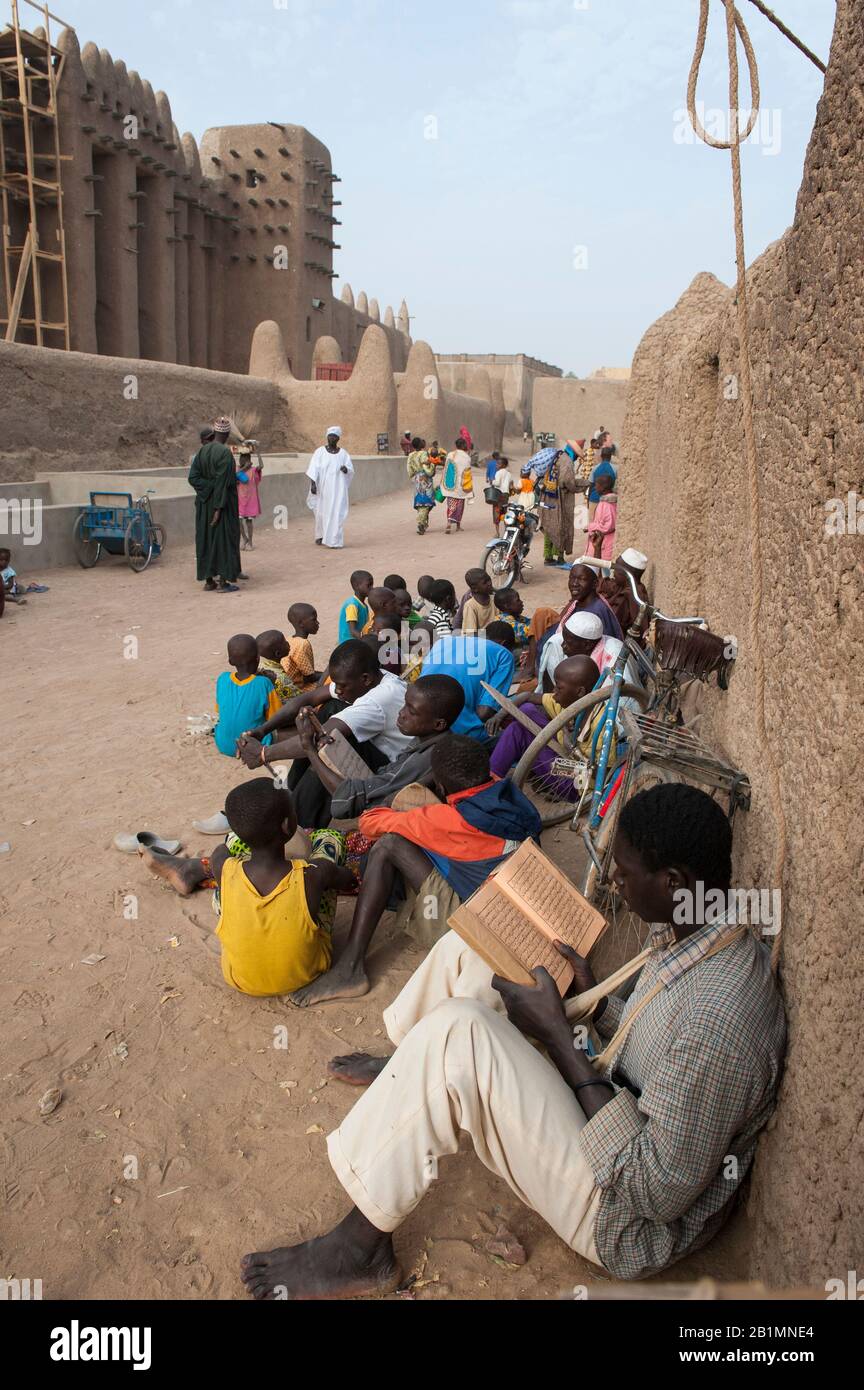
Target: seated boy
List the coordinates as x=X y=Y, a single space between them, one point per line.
x=380 y=603
x=510 y=608
x=477 y=608
x=574 y=678
x=354 y=615
x=424 y=590
x=272 y=650
x=299 y=663
x=243 y=698
x=405 y=608
x=275 y=918
x=440 y=853
x=432 y=705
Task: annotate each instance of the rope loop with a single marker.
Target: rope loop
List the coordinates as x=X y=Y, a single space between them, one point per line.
x=736 y=134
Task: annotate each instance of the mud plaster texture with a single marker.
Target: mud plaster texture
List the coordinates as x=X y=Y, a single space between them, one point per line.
x=686 y=505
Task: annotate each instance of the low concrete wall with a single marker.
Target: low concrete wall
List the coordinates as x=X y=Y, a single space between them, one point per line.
x=283 y=486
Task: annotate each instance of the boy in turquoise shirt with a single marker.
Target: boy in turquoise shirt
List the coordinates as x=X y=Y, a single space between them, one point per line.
x=244 y=700
x=354 y=614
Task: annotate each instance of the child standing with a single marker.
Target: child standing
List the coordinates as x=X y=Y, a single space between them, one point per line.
x=354 y=615
x=248 y=478
x=601 y=529
x=506 y=484
x=244 y=700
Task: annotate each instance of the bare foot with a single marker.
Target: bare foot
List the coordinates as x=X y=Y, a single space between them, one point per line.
x=357 y=1069
x=348 y=1262
x=183 y=875
x=344 y=981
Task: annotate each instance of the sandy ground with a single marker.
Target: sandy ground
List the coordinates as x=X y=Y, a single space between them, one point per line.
x=185 y=1137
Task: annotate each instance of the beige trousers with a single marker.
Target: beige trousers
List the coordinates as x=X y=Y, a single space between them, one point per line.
x=460 y=1065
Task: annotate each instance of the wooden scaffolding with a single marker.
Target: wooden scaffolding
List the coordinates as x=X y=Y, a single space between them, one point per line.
x=35 y=299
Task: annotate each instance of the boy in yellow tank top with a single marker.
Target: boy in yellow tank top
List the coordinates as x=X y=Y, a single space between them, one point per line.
x=274 y=923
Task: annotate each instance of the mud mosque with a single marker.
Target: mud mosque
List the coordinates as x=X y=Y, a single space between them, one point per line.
x=125 y=241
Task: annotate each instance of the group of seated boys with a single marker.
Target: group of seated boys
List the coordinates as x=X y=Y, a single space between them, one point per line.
x=628 y=1164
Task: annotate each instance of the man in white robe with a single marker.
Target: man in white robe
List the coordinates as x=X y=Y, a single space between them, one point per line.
x=330 y=473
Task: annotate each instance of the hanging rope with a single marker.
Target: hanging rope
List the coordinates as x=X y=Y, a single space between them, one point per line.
x=735 y=27
x=778 y=23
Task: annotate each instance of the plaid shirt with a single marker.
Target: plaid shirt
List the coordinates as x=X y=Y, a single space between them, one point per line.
x=695 y=1080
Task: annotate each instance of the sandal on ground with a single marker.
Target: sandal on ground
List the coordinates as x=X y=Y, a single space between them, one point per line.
x=216 y=825
x=145 y=839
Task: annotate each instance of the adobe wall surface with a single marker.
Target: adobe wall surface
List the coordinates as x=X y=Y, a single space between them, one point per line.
x=429 y=409
x=574 y=409
x=73 y=410
x=685 y=504
x=516 y=375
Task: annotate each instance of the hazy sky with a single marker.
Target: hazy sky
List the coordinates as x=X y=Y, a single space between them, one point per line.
x=561 y=204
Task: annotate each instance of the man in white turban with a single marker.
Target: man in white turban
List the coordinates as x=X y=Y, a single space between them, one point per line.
x=330 y=473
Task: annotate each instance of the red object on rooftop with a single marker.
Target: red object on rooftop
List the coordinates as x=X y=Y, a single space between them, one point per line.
x=333 y=371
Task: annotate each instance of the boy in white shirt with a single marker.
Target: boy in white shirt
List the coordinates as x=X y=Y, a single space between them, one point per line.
x=506 y=483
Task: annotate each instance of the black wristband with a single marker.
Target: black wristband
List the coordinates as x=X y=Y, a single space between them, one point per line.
x=595 y=1081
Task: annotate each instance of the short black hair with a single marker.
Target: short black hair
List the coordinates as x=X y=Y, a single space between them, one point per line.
x=445 y=693
x=255 y=811
x=208 y=432
x=416 y=443
x=394 y=582
x=503 y=600
x=474 y=576
x=442 y=594
x=502 y=634
x=355 y=656
x=459 y=763
x=679 y=824
x=359 y=575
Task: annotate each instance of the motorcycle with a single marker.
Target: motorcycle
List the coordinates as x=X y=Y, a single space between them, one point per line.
x=506 y=558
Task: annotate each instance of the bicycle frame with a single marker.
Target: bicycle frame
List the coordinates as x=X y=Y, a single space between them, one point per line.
x=611 y=713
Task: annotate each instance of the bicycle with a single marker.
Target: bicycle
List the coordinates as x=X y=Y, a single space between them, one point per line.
x=653 y=746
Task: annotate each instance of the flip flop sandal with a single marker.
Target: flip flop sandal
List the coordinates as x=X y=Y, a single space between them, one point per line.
x=145 y=839
x=216 y=825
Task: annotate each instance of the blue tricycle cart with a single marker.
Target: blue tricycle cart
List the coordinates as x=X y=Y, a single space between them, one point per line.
x=115 y=523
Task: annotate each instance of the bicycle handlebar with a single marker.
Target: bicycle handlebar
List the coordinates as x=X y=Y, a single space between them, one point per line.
x=646 y=607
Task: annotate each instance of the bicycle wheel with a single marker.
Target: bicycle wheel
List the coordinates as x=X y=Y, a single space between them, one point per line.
x=555 y=794
x=138 y=544
x=501 y=569
x=626 y=933
x=87 y=551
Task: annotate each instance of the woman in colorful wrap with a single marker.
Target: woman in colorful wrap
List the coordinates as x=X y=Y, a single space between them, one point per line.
x=457 y=471
x=422 y=470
